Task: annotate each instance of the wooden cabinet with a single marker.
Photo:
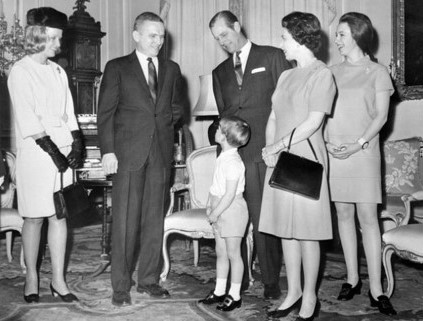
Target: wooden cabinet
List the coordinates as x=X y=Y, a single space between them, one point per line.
x=81 y=58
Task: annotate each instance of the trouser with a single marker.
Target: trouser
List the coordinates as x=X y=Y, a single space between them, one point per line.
x=268 y=247
x=138 y=203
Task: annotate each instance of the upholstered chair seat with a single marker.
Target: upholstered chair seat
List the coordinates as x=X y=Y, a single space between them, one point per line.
x=404 y=186
x=10 y=220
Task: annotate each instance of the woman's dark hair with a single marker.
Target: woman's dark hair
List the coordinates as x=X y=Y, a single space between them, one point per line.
x=361 y=30
x=304 y=28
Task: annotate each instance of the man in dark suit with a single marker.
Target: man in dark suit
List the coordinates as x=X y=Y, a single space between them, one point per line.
x=243 y=86
x=140 y=101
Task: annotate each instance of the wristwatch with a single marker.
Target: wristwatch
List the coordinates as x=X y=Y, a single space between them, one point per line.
x=364 y=143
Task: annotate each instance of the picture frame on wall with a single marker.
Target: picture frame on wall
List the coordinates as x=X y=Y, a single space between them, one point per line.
x=407 y=18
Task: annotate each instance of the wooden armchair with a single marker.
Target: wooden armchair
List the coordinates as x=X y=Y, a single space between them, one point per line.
x=193 y=222
x=404 y=185
x=10 y=220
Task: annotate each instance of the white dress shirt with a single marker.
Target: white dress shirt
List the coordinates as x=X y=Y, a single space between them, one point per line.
x=144 y=63
x=245 y=51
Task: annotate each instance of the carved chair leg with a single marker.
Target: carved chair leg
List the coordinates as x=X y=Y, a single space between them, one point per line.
x=166 y=264
x=9 y=246
x=196 y=249
x=22 y=261
x=387 y=264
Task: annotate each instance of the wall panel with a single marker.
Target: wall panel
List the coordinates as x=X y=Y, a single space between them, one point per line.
x=194 y=48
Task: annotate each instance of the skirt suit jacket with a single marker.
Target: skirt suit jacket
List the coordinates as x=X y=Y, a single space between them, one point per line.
x=42 y=102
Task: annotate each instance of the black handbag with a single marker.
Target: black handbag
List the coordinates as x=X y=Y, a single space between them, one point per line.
x=297 y=174
x=71 y=200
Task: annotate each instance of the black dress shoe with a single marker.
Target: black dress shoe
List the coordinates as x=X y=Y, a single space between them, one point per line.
x=348 y=291
x=279 y=313
x=314 y=315
x=244 y=286
x=69 y=297
x=32 y=298
x=383 y=304
x=154 y=290
x=272 y=291
x=229 y=304
x=212 y=298
x=121 y=298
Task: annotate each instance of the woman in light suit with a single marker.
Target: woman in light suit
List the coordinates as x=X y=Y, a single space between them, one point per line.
x=46 y=131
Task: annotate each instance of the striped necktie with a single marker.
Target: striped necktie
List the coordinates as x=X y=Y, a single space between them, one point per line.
x=152 y=79
x=238 y=69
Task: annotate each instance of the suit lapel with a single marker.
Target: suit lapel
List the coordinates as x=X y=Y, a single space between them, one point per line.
x=137 y=71
x=229 y=66
x=252 y=62
x=161 y=78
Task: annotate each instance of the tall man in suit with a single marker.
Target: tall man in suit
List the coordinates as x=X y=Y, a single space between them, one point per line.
x=140 y=101
x=243 y=87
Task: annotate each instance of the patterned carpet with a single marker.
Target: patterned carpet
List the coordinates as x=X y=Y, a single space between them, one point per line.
x=186 y=284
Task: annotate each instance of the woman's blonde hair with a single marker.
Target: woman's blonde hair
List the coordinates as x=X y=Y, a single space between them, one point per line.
x=35 y=39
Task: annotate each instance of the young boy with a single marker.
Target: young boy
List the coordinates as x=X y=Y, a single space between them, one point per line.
x=227 y=212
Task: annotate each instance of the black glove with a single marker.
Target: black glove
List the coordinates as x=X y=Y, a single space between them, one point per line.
x=76 y=156
x=50 y=148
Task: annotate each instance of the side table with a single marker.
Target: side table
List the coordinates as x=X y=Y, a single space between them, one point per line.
x=106 y=184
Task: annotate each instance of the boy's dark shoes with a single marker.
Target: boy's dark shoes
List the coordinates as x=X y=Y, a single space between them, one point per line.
x=153 y=290
x=229 y=304
x=212 y=298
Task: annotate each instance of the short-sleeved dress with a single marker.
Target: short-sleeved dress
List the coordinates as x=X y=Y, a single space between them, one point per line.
x=284 y=214
x=358 y=178
x=42 y=102
x=233 y=221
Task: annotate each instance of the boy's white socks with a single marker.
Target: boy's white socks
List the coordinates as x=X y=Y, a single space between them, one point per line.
x=220 y=287
x=235 y=291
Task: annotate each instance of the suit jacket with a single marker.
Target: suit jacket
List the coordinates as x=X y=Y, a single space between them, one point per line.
x=253 y=101
x=127 y=116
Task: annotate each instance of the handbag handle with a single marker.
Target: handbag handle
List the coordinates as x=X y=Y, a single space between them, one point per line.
x=309 y=143
x=61 y=179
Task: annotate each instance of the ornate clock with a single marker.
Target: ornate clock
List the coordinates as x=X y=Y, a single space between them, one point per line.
x=81 y=58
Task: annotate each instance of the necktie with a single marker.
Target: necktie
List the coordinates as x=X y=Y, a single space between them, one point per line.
x=152 y=79
x=238 y=68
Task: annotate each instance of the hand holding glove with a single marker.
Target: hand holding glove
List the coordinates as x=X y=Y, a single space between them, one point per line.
x=50 y=148
x=76 y=156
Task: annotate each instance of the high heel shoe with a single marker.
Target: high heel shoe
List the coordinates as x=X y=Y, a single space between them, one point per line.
x=281 y=313
x=314 y=315
x=69 y=297
x=32 y=298
x=348 y=291
x=383 y=304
